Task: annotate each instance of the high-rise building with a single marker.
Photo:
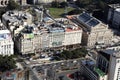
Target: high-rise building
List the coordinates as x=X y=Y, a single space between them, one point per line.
x=109 y=62
x=114 y=15
x=114 y=67
x=89 y=70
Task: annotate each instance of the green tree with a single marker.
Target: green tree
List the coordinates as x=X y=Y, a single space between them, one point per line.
x=83 y=3
x=7 y=63
x=55 y=4
x=63 y=4
x=13 y=5
x=77 y=53
x=75 y=11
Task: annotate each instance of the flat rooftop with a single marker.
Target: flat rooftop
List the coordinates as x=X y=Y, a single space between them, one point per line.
x=107 y=53
x=62 y=25
x=16 y=16
x=88 y=20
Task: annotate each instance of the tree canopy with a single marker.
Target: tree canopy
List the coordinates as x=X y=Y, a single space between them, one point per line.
x=13 y=5
x=7 y=63
x=77 y=53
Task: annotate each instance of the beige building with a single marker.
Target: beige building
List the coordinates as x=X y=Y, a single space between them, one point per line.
x=6 y=42
x=33 y=38
x=94 y=31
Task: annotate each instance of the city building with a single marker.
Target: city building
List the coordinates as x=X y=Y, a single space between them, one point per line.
x=89 y=70
x=103 y=60
x=114 y=66
x=6 y=42
x=46 y=1
x=94 y=31
x=3 y=3
x=24 y=42
x=15 y=20
x=114 y=15
x=108 y=62
x=58 y=34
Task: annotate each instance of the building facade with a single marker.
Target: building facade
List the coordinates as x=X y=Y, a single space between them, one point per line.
x=94 y=31
x=109 y=62
x=48 y=35
x=89 y=71
x=114 y=66
x=6 y=42
x=114 y=15
x=16 y=20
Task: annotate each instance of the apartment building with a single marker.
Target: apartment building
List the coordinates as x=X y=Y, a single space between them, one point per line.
x=48 y=35
x=94 y=31
x=15 y=20
x=109 y=62
x=114 y=66
x=6 y=42
x=90 y=71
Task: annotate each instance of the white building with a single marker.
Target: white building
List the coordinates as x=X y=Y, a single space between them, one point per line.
x=6 y=42
x=48 y=35
x=15 y=20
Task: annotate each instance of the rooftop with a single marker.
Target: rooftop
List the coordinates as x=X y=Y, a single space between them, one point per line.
x=16 y=16
x=90 y=64
x=62 y=25
x=88 y=19
x=106 y=53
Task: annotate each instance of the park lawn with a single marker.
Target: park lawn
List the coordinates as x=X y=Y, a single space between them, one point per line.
x=57 y=12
